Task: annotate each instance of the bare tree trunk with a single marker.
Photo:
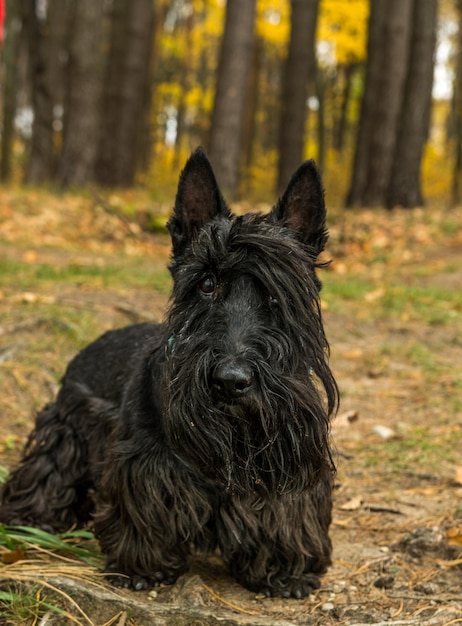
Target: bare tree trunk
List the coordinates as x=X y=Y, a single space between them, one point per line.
x=228 y=112
x=126 y=80
x=389 y=98
x=341 y=121
x=321 y=115
x=185 y=79
x=456 y=134
x=299 y=65
x=108 y=141
x=251 y=106
x=11 y=48
x=405 y=185
x=40 y=162
x=58 y=20
x=365 y=128
x=83 y=94
x=148 y=131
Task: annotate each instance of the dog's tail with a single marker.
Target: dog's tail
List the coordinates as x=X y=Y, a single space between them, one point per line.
x=51 y=488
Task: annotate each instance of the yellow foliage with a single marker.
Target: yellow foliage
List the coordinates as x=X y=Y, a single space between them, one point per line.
x=342 y=31
x=436 y=176
x=211 y=14
x=198 y=99
x=262 y=177
x=273 y=21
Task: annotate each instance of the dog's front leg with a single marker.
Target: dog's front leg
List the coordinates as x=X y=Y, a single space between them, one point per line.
x=153 y=511
x=278 y=546
x=139 y=556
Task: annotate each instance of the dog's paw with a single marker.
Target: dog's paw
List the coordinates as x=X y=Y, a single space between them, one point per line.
x=137 y=582
x=297 y=588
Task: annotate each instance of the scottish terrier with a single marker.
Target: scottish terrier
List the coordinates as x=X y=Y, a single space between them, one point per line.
x=212 y=429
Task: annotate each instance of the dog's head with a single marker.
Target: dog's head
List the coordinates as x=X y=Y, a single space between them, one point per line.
x=248 y=392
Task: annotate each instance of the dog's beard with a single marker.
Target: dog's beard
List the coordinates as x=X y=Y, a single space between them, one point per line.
x=273 y=440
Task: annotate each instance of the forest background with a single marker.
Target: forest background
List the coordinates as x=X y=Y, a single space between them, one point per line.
x=119 y=92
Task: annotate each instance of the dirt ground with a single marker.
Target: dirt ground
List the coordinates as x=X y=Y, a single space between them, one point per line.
x=397 y=529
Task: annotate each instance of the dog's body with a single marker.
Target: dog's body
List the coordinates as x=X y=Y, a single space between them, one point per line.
x=211 y=430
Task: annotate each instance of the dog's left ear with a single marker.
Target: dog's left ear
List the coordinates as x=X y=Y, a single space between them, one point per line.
x=198 y=200
x=302 y=209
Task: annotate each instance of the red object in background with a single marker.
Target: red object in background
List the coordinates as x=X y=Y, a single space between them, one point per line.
x=2 y=17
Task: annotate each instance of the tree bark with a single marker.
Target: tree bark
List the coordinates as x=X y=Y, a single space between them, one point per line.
x=185 y=80
x=365 y=128
x=250 y=113
x=78 y=157
x=405 y=184
x=229 y=106
x=40 y=162
x=456 y=130
x=126 y=85
x=341 y=119
x=389 y=97
x=11 y=48
x=321 y=117
x=299 y=65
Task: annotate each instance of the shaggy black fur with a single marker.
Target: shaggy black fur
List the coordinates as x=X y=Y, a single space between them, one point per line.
x=211 y=430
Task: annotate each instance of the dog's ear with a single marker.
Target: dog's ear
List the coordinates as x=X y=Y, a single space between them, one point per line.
x=198 y=200
x=302 y=209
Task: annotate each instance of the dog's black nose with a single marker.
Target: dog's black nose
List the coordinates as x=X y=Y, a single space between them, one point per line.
x=233 y=379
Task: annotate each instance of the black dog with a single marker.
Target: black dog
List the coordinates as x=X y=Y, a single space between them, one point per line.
x=211 y=430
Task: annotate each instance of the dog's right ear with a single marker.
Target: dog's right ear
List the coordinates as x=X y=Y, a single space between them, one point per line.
x=198 y=200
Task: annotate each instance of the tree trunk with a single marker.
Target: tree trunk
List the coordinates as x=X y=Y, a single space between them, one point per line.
x=185 y=80
x=299 y=65
x=341 y=120
x=58 y=21
x=147 y=131
x=11 y=49
x=405 y=185
x=126 y=81
x=251 y=107
x=83 y=94
x=40 y=161
x=321 y=117
x=389 y=97
x=361 y=158
x=229 y=106
x=456 y=134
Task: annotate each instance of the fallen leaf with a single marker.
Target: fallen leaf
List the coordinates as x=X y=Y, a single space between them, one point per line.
x=458 y=475
x=355 y=353
x=30 y=256
x=454 y=536
x=345 y=419
x=13 y=556
x=352 y=505
x=384 y=431
x=372 y=296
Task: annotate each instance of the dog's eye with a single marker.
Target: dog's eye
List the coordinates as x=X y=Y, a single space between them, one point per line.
x=208 y=285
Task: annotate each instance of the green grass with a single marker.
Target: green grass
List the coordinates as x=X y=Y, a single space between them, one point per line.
x=18 y=606
x=20 y=599
x=428 y=304
x=432 y=305
x=339 y=287
x=419 y=449
x=79 y=544
x=22 y=276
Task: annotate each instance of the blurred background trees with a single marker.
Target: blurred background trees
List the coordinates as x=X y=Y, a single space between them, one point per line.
x=118 y=93
x=395 y=114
